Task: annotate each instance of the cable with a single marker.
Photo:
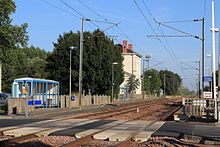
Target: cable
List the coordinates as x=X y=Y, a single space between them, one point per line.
x=59 y=8
x=161 y=32
x=119 y=30
x=153 y=30
x=65 y=3
x=92 y=10
x=72 y=8
x=204 y=9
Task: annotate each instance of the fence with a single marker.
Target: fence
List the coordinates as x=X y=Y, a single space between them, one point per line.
x=198 y=107
x=66 y=101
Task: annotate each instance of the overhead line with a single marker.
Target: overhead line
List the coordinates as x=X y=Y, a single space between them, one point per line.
x=51 y=4
x=92 y=10
x=72 y=8
x=180 y=21
x=153 y=30
x=84 y=16
x=162 y=34
x=119 y=30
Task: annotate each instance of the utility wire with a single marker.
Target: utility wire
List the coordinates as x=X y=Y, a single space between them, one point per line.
x=65 y=3
x=160 y=29
x=181 y=21
x=204 y=9
x=51 y=4
x=119 y=29
x=153 y=30
x=92 y=10
x=162 y=34
x=72 y=8
x=197 y=37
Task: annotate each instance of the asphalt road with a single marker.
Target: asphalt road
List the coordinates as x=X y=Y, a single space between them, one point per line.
x=183 y=129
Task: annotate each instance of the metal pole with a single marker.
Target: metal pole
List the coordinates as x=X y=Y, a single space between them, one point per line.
x=219 y=64
x=199 y=79
x=203 y=55
x=112 y=82
x=70 y=79
x=217 y=103
x=132 y=74
x=164 y=84
x=213 y=57
x=0 y=77
x=143 y=79
x=81 y=62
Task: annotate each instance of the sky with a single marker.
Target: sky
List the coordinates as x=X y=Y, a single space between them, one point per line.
x=47 y=19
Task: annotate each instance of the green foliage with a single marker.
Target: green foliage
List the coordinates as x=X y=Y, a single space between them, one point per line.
x=184 y=90
x=11 y=38
x=152 y=82
x=98 y=55
x=172 y=82
x=132 y=84
x=22 y=64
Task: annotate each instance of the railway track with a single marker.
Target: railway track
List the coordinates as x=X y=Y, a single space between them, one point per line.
x=99 y=115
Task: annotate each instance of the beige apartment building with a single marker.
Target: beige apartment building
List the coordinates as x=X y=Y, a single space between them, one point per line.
x=132 y=65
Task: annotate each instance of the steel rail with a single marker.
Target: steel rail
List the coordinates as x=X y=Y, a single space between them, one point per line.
x=126 y=143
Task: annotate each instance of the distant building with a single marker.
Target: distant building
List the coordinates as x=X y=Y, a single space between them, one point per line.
x=132 y=66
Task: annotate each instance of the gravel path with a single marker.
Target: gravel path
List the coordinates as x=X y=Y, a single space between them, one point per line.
x=48 y=141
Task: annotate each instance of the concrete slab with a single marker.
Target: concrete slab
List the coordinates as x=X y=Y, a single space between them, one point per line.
x=47 y=132
x=23 y=131
x=121 y=136
x=134 y=127
x=96 y=129
x=116 y=130
x=86 y=133
x=7 y=128
x=146 y=133
x=62 y=125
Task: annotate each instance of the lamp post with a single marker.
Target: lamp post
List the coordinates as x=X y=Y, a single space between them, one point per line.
x=145 y=59
x=148 y=87
x=148 y=60
x=70 y=90
x=114 y=63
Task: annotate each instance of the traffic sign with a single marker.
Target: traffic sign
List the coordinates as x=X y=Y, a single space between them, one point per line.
x=208 y=78
x=207 y=94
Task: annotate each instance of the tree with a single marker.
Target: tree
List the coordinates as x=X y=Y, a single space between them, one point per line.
x=132 y=83
x=184 y=90
x=11 y=38
x=172 y=82
x=152 y=82
x=99 y=52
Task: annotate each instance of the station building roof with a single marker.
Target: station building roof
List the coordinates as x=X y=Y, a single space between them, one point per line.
x=35 y=80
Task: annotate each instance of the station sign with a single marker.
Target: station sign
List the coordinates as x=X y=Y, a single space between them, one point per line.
x=207 y=94
x=208 y=78
x=72 y=98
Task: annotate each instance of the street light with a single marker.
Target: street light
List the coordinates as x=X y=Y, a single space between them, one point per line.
x=71 y=48
x=148 y=87
x=114 y=63
x=148 y=60
x=143 y=75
